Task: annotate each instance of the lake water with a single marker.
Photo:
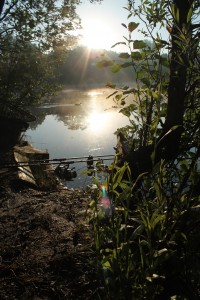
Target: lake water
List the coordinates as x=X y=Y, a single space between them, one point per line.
x=79 y=123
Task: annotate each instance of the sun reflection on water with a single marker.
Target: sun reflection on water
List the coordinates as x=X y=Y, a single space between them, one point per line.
x=98 y=121
x=95 y=93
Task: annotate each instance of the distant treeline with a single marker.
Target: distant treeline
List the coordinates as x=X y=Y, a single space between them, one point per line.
x=80 y=68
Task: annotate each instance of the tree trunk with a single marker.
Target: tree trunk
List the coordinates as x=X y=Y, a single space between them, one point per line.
x=169 y=143
x=1 y=5
x=177 y=83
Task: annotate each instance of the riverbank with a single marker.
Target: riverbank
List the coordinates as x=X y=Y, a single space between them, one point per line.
x=45 y=244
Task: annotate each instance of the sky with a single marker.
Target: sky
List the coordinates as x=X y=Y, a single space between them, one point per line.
x=102 y=24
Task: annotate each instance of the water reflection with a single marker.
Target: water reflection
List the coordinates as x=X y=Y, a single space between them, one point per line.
x=98 y=121
x=95 y=93
x=74 y=122
x=68 y=130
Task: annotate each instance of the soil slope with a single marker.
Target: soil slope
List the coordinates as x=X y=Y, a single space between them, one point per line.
x=45 y=245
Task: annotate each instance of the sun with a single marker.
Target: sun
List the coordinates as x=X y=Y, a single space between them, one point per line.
x=96 y=34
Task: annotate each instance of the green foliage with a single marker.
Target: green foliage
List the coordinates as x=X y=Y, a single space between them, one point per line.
x=47 y=23
x=145 y=248
x=139 y=44
x=34 y=36
x=26 y=74
x=149 y=247
x=34 y=39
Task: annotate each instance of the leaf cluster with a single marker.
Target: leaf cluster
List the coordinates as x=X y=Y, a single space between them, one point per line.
x=47 y=23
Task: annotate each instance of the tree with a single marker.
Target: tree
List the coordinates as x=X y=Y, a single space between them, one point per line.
x=26 y=75
x=34 y=38
x=178 y=93
x=46 y=23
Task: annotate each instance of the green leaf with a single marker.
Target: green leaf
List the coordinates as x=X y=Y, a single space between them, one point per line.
x=140 y=74
x=164 y=61
x=124 y=25
x=139 y=44
x=184 y=236
x=118 y=176
x=128 y=110
x=118 y=97
x=125 y=111
x=106 y=264
x=132 y=107
x=189 y=15
x=155 y=95
x=156 y=219
x=124 y=55
x=159 y=45
x=168 y=132
x=130 y=91
x=127 y=64
x=146 y=81
x=104 y=63
x=136 y=55
x=116 y=68
x=92 y=204
x=119 y=43
x=132 y=26
x=175 y=12
x=114 y=93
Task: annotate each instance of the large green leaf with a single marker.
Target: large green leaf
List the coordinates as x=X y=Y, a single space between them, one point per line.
x=136 y=55
x=104 y=63
x=124 y=55
x=137 y=44
x=116 y=68
x=132 y=26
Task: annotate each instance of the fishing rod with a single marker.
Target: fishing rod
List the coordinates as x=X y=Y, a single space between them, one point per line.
x=58 y=161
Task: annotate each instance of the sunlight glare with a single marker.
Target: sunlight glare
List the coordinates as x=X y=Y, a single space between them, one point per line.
x=98 y=121
x=94 y=93
x=96 y=34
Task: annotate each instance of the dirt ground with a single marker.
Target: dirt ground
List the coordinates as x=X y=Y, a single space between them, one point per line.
x=45 y=245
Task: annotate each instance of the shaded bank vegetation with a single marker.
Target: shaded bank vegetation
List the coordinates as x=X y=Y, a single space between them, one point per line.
x=148 y=245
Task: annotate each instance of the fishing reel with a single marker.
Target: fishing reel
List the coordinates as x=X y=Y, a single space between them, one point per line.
x=90 y=166
x=64 y=172
x=99 y=166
